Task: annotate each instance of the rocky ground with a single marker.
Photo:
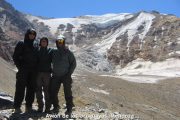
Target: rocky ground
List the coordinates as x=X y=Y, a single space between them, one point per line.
x=108 y=98
x=158 y=101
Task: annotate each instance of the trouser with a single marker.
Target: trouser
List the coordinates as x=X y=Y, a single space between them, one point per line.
x=25 y=79
x=55 y=86
x=43 y=80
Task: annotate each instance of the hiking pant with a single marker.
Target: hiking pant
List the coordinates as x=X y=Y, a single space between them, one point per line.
x=25 y=79
x=43 y=82
x=55 y=86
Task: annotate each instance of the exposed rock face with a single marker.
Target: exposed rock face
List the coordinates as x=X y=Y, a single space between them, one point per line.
x=12 y=22
x=13 y=25
x=161 y=42
x=41 y=29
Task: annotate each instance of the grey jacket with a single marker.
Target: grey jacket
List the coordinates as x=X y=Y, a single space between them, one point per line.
x=63 y=61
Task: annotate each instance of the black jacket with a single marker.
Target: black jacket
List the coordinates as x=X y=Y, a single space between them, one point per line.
x=44 y=59
x=25 y=54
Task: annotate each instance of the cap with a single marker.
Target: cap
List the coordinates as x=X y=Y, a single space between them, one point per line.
x=60 y=37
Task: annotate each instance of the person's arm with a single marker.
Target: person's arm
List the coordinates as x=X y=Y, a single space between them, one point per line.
x=72 y=62
x=51 y=57
x=17 y=56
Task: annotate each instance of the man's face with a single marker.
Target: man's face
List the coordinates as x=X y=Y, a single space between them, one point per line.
x=60 y=42
x=43 y=43
x=32 y=36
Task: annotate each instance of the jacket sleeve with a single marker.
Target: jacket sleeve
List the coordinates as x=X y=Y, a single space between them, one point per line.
x=17 y=55
x=72 y=62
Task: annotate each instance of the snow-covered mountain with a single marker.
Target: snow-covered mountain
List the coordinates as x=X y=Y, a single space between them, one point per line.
x=111 y=42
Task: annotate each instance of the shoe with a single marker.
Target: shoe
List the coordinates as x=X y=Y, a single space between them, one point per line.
x=47 y=111
x=28 y=109
x=40 y=110
x=68 y=112
x=17 y=110
x=55 y=110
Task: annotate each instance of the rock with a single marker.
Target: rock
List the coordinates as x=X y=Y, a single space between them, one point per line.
x=101 y=111
x=116 y=113
x=121 y=105
x=3 y=117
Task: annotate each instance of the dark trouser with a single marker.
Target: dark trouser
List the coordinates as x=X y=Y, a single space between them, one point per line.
x=43 y=80
x=25 y=79
x=55 y=86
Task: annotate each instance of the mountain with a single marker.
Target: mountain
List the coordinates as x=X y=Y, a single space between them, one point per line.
x=112 y=42
x=13 y=25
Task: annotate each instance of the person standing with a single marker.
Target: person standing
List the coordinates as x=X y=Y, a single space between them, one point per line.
x=64 y=64
x=44 y=74
x=25 y=59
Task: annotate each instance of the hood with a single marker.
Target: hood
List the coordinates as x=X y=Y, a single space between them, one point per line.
x=28 y=32
x=26 y=38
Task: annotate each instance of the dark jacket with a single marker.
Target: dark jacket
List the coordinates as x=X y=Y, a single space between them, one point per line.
x=44 y=59
x=63 y=61
x=25 y=54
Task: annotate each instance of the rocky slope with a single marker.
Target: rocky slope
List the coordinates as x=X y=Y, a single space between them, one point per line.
x=13 y=25
x=7 y=77
x=160 y=42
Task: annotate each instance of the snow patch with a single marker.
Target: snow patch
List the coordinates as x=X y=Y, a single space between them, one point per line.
x=144 y=19
x=149 y=72
x=1 y=9
x=155 y=38
x=174 y=52
x=101 y=21
x=138 y=78
x=109 y=19
x=94 y=60
x=99 y=91
x=178 y=40
x=6 y=97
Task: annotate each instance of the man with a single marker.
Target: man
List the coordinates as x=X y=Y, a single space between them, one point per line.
x=44 y=74
x=25 y=59
x=64 y=64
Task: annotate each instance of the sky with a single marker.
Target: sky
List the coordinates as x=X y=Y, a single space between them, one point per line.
x=74 y=8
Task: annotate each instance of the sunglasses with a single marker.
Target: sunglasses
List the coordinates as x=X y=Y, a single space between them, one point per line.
x=60 y=41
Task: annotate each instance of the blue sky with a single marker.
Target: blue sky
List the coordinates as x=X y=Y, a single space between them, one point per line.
x=73 y=8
